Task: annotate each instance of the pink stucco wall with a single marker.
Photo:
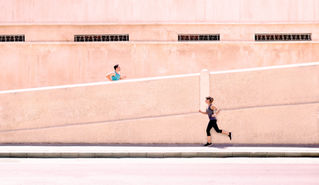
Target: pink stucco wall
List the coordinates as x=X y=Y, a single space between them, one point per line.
x=287 y=86
x=269 y=103
x=274 y=106
x=149 y=11
x=256 y=107
x=106 y=102
x=26 y=65
x=133 y=107
x=155 y=32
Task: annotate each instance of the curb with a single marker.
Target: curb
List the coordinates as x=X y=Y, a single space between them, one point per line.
x=153 y=154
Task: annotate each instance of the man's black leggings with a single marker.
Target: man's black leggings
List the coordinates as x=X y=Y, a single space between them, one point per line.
x=211 y=124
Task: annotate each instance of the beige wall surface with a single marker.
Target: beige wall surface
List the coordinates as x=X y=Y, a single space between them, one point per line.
x=281 y=105
x=164 y=110
x=268 y=125
x=186 y=128
x=287 y=86
x=26 y=65
x=111 y=101
x=283 y=124
x=149 y=11
x=156 y=32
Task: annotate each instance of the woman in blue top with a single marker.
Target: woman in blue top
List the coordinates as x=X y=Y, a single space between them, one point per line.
x=212 y=111
x=114 y=76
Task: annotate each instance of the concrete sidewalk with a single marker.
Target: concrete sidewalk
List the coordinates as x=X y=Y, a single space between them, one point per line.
x=153 y=151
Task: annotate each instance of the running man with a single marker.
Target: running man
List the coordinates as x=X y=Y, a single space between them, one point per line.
x=114 y=76
x=212 y=112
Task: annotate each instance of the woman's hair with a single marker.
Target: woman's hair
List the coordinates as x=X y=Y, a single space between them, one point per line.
x=116 y=66
x=211 y=99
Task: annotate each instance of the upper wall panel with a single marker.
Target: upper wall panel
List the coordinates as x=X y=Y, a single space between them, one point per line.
x=155 y=11
x=26 y=65
x=156 y=32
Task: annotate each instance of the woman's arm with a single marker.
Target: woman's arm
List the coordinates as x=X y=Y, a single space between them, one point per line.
x=202 y=112
x=216 y=111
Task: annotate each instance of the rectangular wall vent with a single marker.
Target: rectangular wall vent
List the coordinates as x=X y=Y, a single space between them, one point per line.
x=101 y=38
x=12 y=38
x=283 y=37
x=198 y=37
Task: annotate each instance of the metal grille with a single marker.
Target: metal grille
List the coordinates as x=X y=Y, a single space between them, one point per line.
x=12 y=38
x=100 y=38
x=283 y=37
x=198 y=37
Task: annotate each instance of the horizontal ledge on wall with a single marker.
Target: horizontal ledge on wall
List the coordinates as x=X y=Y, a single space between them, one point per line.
x=266 y=68
x=153 y=23
x=160 y=77
x=98 y=83
x=156 y=42
x=269 y=105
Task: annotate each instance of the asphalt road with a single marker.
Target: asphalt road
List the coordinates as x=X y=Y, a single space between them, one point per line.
x=174 y=171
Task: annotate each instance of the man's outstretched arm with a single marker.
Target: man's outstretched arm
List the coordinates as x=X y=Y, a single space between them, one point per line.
x=109 y=75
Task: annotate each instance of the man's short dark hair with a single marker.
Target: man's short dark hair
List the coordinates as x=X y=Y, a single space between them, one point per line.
x=116 y=66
